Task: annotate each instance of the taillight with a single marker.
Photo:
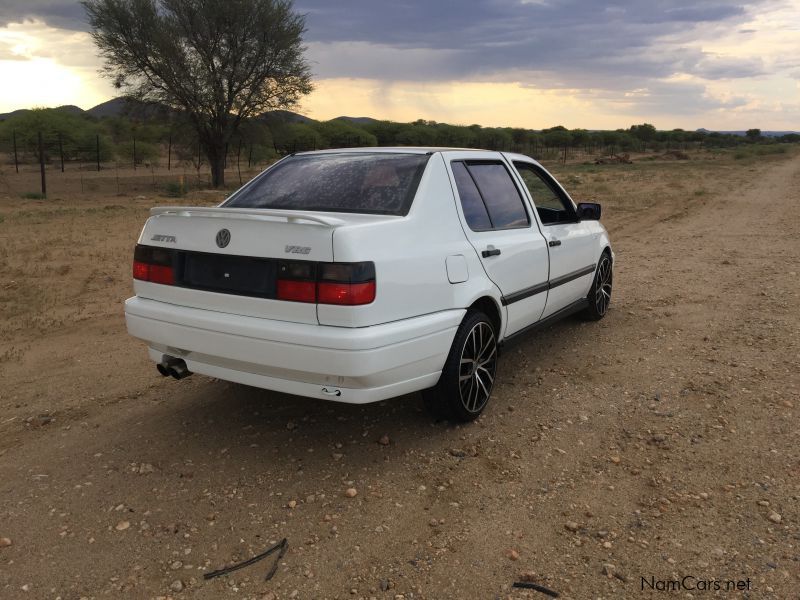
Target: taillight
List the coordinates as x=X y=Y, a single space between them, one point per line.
x=347 y=284
x=350 y=294
x=297 y=291
x=154 y=264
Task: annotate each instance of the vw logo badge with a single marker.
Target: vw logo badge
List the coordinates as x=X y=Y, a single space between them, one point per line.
x=223 y=238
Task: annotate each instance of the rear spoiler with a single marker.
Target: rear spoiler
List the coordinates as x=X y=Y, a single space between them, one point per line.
x=258 y=214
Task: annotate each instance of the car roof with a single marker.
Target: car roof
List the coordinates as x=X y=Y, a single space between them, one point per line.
x=393 y=150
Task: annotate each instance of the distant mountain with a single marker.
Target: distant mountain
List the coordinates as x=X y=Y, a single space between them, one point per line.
x=72 y=109
x=358 y=120
x=118 y=107
x=128 y=107
x=286 y=116
x=67 y=108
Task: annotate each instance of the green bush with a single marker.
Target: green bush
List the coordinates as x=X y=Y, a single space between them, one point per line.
x=33 y=196
x=175 y=189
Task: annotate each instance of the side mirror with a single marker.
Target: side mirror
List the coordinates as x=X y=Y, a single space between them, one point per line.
x=589 y=211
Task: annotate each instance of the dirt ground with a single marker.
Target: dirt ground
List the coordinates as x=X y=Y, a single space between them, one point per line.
x=616 y=457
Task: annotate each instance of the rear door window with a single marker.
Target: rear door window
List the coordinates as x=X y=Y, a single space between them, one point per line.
x=374 y=183
x=489 y=197
x=472 y=204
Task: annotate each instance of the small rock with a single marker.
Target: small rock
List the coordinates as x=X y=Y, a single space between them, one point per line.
x=26 y=587
x=291 y=425
x=384 y=440
x=609 y=570
x=351 y=492
x=176 y=565
x=512 y=554
x=176 y=586
x=607 y=545
x=704 y=495
x=458 y=453
x=291 y=503
x=763 y=502
x=774 y=517
x=268 y=596
x=571 y=526
x=146 y=468
x=614 y=459
x=5 y=542
x=528 y=576
x=122 y=525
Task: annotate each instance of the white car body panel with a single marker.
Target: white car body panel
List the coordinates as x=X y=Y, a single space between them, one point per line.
x=428 y=272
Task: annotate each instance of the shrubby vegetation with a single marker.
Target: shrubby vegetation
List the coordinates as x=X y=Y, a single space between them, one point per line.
x=160 y=136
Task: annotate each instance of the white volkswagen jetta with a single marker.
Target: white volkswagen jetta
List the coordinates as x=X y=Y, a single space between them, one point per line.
x=363 y=274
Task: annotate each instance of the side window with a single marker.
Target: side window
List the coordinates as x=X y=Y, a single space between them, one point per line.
x=551 y=206
x=471 y=201
x=489 y=198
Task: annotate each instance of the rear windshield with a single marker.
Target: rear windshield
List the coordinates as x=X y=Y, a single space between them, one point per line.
x=383 y=184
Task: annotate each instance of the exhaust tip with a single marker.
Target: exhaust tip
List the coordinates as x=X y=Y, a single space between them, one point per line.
x=176 y=367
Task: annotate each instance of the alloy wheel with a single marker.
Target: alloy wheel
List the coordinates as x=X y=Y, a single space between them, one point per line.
x=477 y=368
x=603 y=286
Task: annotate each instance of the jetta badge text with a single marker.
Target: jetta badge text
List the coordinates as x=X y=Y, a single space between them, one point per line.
x=297 y=249
x=164 y=238
x=223 y=238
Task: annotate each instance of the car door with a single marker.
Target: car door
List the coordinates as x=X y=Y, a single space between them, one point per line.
x=498 y=223
x=570 y=242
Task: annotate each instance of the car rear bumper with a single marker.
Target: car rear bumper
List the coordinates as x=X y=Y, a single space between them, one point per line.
x=355 y=365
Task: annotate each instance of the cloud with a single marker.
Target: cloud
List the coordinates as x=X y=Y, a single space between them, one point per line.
x=61 y=14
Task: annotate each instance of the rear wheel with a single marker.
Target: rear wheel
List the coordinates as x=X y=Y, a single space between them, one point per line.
x=600 y=295
x=467 y=379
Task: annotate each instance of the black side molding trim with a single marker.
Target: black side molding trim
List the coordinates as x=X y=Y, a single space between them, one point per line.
x=570 y=276
x=548 y=285
x=526 y=293
x=556 y=316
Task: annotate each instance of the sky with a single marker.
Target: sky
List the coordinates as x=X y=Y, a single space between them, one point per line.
x=524 y=63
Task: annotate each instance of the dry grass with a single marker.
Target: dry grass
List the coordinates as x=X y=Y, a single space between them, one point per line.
x=66 y=261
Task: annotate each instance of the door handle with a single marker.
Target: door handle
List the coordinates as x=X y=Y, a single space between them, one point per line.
x=554 y=243
x=490 y=251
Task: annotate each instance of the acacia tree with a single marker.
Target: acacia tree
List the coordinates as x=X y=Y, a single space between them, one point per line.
x=220 y=61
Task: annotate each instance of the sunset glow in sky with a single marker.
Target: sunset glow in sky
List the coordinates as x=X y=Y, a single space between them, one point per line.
x=528 y=63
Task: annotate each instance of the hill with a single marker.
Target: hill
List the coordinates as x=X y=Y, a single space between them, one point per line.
x=358 y=120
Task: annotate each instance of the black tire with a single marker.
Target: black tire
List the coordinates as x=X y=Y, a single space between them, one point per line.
x=600 y=295
x=467 y=379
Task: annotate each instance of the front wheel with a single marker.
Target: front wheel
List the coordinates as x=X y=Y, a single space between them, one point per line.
x=600 y=295
x=468 y=375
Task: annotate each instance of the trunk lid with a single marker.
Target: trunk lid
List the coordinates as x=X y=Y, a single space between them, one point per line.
x=227 y=259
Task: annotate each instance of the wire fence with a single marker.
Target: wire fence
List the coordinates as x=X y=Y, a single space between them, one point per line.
x=49 y=164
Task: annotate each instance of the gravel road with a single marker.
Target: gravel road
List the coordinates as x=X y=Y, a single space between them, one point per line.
x=659 y=444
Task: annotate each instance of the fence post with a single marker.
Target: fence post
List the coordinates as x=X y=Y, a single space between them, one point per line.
x=61 y=150
x=238 y=154
x=134 y=153
x=41 y=166
x=169 y=153
x=16 y=160
x=250 y=156
x=98 y=151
